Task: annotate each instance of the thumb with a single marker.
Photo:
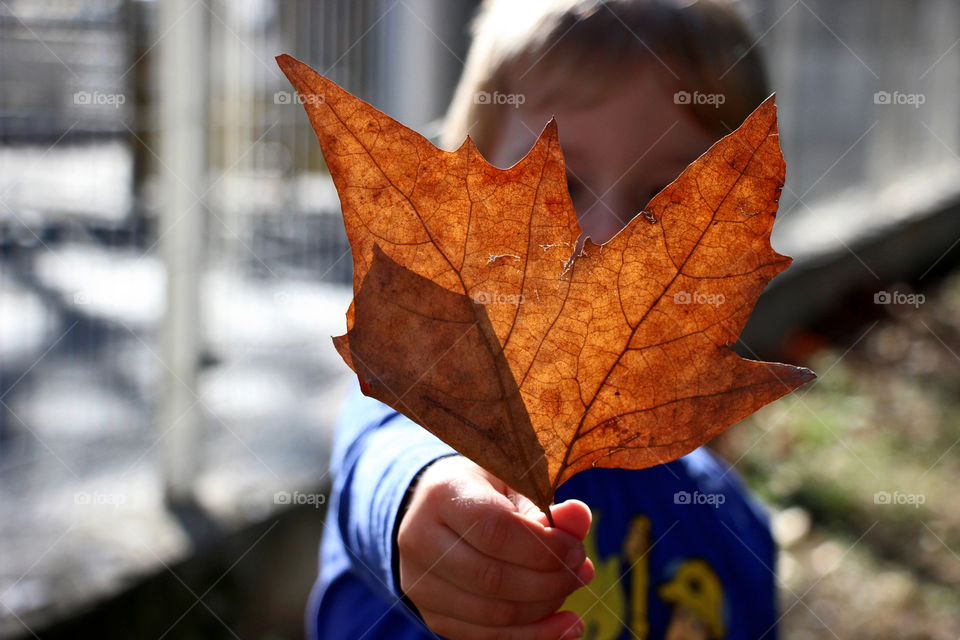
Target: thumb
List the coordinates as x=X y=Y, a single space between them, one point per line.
x=572 y=516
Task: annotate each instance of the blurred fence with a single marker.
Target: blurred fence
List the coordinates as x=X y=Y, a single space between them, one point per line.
x=94 y=401
x=868 y=89
x=81 y=174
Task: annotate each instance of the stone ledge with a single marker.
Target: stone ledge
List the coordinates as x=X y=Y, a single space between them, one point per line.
x=863 y=240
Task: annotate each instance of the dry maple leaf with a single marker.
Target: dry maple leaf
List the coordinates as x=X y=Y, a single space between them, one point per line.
x=479 y=315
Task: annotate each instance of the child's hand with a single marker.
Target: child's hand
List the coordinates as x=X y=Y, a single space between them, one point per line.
x=479 y=562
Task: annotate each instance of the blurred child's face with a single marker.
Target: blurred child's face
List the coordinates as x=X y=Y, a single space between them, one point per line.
x=620 y=151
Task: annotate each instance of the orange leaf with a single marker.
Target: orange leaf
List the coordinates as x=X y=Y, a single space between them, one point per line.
x=480 y=313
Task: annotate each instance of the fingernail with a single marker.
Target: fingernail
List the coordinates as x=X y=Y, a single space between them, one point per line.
x=574 y=632
x=585 y=574
x=575 y=557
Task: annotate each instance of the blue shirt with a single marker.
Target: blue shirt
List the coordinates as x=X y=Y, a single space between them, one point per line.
x=678 y=542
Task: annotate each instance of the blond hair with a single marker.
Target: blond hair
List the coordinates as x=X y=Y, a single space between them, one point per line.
x=577 y=50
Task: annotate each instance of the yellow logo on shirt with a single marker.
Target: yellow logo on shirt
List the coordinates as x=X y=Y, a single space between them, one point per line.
x=695 y=592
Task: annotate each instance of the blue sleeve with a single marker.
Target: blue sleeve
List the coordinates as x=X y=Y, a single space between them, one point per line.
x=377 y=453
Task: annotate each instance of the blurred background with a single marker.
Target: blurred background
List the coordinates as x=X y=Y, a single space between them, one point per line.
x=173 y=263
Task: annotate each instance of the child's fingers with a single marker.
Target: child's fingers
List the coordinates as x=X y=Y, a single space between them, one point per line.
x=564 y=625
x=572 y=516
x=499 y=532
x=464 y=566
x=432 y=593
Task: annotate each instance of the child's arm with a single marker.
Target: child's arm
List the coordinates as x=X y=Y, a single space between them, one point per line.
x=478 y=561
x=462 y=539
x=376 y=455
